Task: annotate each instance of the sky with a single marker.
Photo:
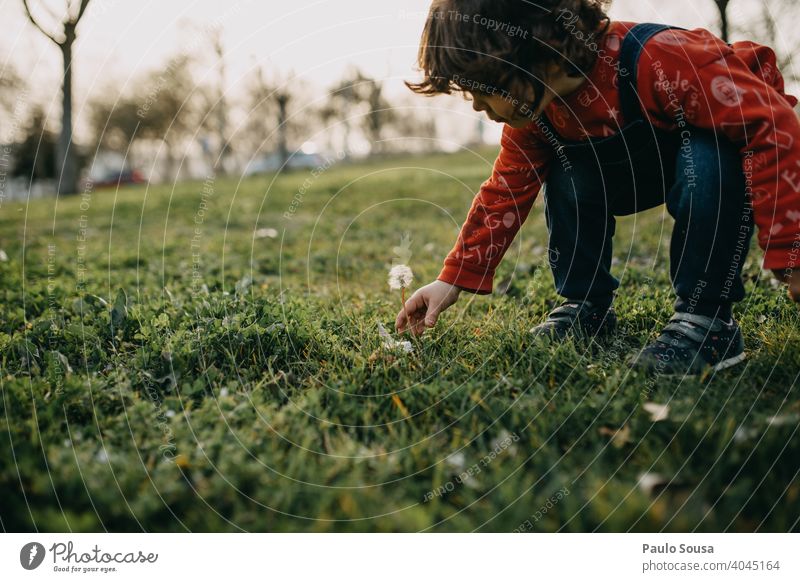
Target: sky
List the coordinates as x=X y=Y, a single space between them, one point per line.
x=315 y=39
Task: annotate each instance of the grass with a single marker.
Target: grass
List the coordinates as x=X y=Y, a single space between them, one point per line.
x=167 y=365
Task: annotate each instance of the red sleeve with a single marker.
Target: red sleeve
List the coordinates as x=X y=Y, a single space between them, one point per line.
x=693 y=78
x=498 y=211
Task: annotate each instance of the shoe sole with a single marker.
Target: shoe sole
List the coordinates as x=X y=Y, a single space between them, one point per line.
x=730 y=362
x=723 y=365
x=555 y=338
x=574 y=332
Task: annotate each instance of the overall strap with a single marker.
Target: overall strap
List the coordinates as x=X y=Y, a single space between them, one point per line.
x=631 y=50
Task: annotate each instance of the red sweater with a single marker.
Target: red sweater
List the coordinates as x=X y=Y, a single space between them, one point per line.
x=736 y=90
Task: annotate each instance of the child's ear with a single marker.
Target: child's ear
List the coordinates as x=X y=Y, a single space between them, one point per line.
x=557 y=70
x=523 y=92
x=554 y=69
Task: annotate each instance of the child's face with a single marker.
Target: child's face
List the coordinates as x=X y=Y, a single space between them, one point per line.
x=497 y=108
x=502 y=109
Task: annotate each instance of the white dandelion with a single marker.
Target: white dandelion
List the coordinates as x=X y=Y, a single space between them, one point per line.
x=658 y=412
x=391 y=344
x=649 y=481
x=457 y=461
x=405 y=346
x=400 y=277
x=400 y=274
x=266 y=233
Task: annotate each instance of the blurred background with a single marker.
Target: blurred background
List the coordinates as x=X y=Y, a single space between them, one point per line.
x=101 y=93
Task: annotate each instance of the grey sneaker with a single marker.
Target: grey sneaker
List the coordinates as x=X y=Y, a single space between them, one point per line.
x=578 y=318
x=692 y=344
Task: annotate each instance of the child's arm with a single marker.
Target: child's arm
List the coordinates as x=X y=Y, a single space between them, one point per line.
x=695 y=78
x=498 y=210
x=494 y=219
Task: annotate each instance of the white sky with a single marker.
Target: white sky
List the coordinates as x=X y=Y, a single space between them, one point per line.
x=317 y=39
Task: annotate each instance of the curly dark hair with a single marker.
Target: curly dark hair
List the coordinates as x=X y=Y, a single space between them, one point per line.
x=470 y=45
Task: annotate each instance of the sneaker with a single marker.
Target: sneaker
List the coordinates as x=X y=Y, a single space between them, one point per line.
x=579 y=318
x=692 y=344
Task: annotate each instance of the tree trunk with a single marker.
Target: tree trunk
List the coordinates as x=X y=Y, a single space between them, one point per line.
x=283 y=147
x=170 y=169
x=375 y=117
x=223 y=151
x=722 y=6
x=66 y=170
x=346 y=131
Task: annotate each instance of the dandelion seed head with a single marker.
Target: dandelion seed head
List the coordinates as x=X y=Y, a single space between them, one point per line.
x=398 y=346
x=391 y=344
x=456 y=461
x=266 y=233
x=400 y=276
x=657 y=412
x=649 y=481
x=405 y=346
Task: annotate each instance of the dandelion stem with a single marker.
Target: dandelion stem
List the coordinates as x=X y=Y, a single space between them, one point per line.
x=403 y=303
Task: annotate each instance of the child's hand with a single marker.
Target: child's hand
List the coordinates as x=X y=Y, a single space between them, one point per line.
x=423 y=308
x=792 y=278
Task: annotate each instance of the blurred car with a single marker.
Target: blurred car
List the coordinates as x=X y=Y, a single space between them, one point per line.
x=273 y=162
x=116 y=179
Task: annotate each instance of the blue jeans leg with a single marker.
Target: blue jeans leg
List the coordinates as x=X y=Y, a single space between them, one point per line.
x=713 y=225
x=581 y=227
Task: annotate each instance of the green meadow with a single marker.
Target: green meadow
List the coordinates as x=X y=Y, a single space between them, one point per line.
x=205 y=356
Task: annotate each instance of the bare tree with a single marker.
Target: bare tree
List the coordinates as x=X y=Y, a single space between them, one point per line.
x=13 y=92
x=277 y=117
x=346 y=97
x=282 y=98
x=218 y=111
x=768 y=28
x=11 y=84
x=412 y=130
x=34 y=154
x=286 y=96
x=724 y=22
x=360 y=94
x=379 y=113
x=65 y=156
x=114 y=124
x=259 y=110
x=161 y=112
x=328 y=114
x=168 y=110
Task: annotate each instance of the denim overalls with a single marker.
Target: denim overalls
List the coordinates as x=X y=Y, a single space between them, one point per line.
x=698 y=174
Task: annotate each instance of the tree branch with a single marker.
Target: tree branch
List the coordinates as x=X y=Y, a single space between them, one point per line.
x=51 y=12
x=81 y=10
x=37 y=25
x=722 y=7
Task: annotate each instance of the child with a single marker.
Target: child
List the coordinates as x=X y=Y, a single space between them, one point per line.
x=614 y=118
